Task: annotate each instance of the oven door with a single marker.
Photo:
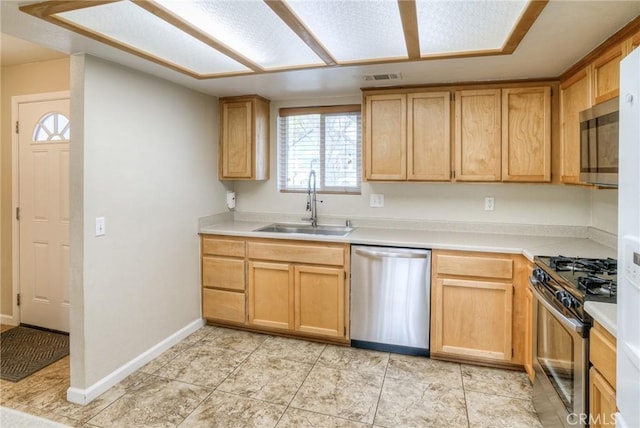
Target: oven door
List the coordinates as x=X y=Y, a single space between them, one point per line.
x=560 y=363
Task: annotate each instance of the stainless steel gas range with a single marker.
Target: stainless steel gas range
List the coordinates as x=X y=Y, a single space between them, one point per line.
x=560 y=286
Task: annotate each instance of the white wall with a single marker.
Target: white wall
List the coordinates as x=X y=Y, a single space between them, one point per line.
x=604 y=210
x=145 y=159
x=514 y=203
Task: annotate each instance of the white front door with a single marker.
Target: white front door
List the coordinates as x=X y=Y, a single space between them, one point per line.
x=43 y=140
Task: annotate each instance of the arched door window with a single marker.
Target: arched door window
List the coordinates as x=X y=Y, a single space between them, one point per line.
x=52 y=127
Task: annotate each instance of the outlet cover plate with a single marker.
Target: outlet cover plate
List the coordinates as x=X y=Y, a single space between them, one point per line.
x=376 y=200
x=489 y=203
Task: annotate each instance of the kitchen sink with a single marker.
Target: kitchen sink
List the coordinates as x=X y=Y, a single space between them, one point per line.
x=306 y=229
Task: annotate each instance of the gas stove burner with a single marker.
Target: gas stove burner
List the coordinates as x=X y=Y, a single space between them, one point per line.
x=575 y=264
x=597 y=286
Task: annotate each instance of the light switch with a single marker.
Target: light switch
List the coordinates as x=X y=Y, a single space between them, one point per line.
x=100 y=226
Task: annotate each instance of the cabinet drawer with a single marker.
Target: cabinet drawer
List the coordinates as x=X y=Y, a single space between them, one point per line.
x=481 y=267
x=222 y=247
x=602 y=353
x=220 y=272
x=296 y=253
x=223 y=305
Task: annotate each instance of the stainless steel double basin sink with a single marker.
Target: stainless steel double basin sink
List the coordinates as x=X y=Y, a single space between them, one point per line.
x=306 y=229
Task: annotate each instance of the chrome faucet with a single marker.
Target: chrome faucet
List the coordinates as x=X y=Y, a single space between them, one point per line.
x=311 y=200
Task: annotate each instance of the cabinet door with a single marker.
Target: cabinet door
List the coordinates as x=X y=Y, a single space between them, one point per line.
x=429 y=136
x=602 y=401
x=236 y=140
x=575 y=96
x=526 y=134
x=320 y=300
x=477 y=135
x=271 y=295
x=528 y=337
x=606 y=75
x=632 y=43
x=386 y=137
x=473 y=318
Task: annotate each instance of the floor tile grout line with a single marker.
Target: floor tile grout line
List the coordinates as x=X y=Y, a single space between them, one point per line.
x=300 y=386
x=464 y=395
x=384 y=378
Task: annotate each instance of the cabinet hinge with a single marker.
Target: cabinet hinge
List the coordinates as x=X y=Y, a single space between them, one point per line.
x=17 y=127
x=18 y=299
x=18 y=213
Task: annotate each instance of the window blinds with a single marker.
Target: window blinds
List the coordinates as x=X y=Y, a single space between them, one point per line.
x=323 y=139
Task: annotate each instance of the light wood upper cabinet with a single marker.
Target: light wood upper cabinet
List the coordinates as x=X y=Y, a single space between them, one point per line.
x=477 y=135
x=632 y=43
x=429 y=136
x=320 y=300
x=575 y=96
x=386 y=137
x=407 y=136
x=244 y=138
x=526 y=134
x=606 y=75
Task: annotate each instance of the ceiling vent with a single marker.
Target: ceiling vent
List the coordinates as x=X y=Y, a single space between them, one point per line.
x=382 y=77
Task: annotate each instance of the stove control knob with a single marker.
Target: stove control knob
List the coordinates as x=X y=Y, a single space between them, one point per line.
x=568 y=301
x=561 y=295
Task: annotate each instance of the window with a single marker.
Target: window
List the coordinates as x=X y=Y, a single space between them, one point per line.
x=323 y=139
x=52 y=127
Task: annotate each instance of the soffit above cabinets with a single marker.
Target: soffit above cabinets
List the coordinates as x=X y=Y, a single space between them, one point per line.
x=207 y=39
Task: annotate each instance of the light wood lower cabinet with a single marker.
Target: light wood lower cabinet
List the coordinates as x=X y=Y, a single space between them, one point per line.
x=320 y=300
x=602 y=377
x=223 y=279
x=292 y=287
x=270 y=296
x=474 y=315
x=528 y=334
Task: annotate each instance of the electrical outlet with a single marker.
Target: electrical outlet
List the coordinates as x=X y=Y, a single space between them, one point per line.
x=376 y=200
x=100 y=226
x=489 y=203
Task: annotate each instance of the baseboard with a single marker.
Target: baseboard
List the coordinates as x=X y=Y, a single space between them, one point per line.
x=8 y=320
x=85 y=396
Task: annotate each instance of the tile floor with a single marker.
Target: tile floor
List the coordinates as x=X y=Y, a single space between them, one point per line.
x=226 y=378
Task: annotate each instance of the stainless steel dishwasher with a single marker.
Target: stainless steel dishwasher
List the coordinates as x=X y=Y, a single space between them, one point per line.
x=390 y=296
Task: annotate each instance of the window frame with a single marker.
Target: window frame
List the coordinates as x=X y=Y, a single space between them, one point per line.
x=282 y=155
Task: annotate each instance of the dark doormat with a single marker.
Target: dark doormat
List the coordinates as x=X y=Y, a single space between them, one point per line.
x=24 y=351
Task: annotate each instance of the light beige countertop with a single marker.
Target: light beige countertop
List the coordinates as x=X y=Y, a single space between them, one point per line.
x=606 y=314
x=529 y=246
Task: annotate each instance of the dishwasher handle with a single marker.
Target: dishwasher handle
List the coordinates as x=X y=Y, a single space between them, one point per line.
x=418 y=254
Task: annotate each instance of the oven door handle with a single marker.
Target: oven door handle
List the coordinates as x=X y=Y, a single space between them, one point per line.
x=570 y=323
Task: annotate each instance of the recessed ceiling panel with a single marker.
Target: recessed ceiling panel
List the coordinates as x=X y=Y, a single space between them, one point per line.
x=466 y=26
x=354 y=30
x=249 y=27
x=133 y=26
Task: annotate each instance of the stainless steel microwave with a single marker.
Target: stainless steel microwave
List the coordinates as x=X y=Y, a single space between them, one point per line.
x=599 y=144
